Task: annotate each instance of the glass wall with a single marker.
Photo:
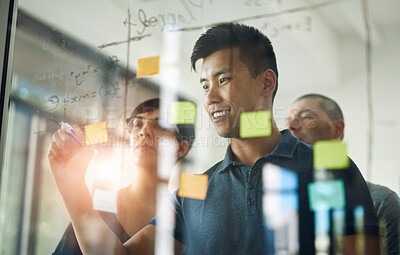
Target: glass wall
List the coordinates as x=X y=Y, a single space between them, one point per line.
x=86 y=62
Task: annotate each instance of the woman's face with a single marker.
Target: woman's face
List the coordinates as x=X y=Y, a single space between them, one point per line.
x=148 y=137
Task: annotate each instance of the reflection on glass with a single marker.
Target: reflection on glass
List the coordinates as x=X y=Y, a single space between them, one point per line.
x=338 y=228
x=280 y=206
x=61 y=72
x=359 y=229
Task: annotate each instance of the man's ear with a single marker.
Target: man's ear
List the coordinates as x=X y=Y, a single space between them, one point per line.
x=338 y=126
x=269 y=82
x=183 y=148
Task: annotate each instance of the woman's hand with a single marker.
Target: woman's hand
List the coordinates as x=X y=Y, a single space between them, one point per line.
x=68 y=158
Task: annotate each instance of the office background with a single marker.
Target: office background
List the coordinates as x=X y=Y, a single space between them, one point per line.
x=72 y=60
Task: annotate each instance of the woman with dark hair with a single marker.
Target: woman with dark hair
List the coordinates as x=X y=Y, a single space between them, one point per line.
x=136 y=203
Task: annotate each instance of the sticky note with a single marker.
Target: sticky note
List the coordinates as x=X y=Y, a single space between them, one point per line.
x=330 y=155
x=255 y=124
x=96 y=133
x=193 y=186
x=105 y=201
x=326 y=195
x=148 y=66
x=183 y=112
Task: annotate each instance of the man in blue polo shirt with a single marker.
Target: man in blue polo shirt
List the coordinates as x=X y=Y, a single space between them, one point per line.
x=239 y=74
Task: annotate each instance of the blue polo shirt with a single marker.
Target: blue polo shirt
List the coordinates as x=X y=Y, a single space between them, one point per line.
x=231 y=221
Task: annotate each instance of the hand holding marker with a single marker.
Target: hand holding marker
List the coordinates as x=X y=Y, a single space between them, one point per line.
x=94 y=130
x=69 y=130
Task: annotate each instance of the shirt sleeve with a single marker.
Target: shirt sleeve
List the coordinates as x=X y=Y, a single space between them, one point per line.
x=68 y=244
x=179 y=230
x=389 y=217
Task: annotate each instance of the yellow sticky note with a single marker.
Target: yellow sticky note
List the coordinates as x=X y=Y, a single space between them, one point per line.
x=330 y=155
x=193 y=186
x=255 y=124
x=183 y=112
x=96 y=133
x=148 y=66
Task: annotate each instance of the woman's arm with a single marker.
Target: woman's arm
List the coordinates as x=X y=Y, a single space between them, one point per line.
x=143 y=242
x=68 y=163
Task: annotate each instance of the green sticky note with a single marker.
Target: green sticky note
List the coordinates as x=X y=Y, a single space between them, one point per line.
x=255 y=124
x=326 y=195
x=183 y=112
x=330 y=155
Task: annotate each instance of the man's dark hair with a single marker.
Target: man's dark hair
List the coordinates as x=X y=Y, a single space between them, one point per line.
x=255 y=49
x=186 y=131
x=328 y=105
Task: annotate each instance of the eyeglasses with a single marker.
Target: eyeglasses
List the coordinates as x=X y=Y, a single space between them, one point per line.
x=135 y=124
x=306 y=118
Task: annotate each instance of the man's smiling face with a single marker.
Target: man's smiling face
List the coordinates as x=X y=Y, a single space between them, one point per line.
x=229 y=89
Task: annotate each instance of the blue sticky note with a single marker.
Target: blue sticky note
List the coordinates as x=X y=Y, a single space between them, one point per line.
x=326 y=195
